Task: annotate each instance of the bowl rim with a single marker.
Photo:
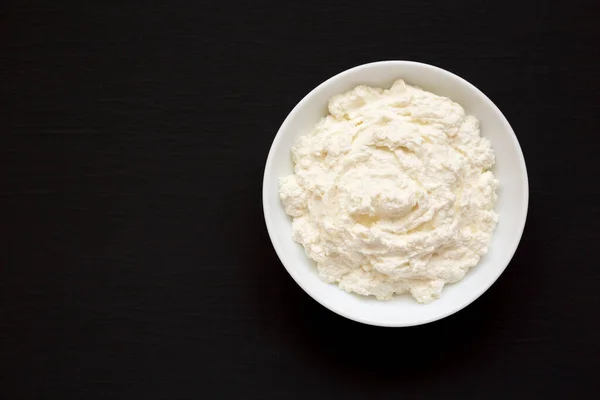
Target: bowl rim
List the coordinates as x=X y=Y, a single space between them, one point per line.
x=459 y=306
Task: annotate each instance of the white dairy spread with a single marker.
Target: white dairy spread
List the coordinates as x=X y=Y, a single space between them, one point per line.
x=392 y=192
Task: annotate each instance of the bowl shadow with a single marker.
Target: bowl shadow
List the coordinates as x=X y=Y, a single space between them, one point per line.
x=364 y=353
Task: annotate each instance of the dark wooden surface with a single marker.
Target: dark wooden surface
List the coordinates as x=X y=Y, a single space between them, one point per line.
x=136 y=263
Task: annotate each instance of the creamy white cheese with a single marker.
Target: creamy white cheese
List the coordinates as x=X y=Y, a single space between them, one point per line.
x=392 y=192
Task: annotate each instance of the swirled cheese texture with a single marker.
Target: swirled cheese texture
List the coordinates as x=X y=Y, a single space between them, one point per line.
x=392 y=192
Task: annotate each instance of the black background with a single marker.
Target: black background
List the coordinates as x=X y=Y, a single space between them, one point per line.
x=136 y=262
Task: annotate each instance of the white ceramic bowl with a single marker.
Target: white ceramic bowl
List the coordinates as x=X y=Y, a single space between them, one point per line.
x=513 y=195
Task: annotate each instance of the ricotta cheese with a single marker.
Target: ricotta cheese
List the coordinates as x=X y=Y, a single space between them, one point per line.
x=392 y=192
